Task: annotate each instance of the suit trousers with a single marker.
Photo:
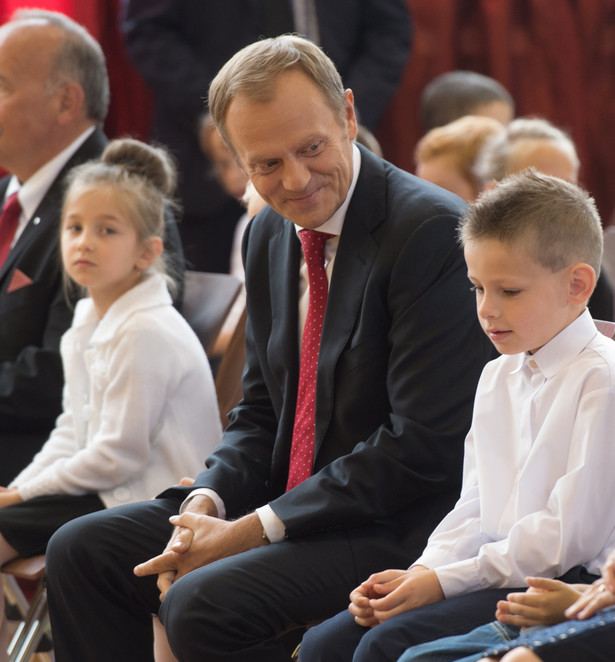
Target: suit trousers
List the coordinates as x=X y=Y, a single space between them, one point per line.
x=232 y=609
x=340 y=639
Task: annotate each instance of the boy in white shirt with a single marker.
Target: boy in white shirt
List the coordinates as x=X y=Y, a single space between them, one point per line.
x=537 y=488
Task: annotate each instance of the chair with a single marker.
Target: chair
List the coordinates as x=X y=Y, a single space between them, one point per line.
x=232 y=348
x=208 y=299
x=35 y=615
x=606 y=328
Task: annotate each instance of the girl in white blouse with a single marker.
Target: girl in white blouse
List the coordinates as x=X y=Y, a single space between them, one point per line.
x=139 y=405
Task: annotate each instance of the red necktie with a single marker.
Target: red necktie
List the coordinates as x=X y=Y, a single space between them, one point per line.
x=9 y=218
x=304 y=432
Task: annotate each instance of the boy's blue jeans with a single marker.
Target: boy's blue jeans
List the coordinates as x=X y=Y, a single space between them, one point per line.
x=464 y=647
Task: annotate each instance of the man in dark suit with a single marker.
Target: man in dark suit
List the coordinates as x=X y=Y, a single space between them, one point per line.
x=178 y=46
x=399 y=358
x=53 y=100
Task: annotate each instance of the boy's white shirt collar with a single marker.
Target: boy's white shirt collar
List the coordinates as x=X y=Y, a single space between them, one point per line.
x=563 y=348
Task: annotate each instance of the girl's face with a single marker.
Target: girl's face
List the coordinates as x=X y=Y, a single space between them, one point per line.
x=100 y=247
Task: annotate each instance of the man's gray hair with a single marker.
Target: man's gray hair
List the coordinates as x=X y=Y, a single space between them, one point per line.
x=79 y=58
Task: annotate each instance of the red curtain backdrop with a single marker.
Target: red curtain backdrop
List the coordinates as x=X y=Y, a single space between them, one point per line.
x=130 y=109
x=556 y=57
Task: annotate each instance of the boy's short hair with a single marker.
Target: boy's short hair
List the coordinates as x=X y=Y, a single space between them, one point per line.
x=557 y=222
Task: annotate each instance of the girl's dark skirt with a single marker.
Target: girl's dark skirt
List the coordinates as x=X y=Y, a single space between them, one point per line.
x=29 y=525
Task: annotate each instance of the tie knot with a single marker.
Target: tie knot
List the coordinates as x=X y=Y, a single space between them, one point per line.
x=313 y=243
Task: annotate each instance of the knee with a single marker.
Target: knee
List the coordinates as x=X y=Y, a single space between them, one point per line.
x=313 y=648
x=520 y=654
x=71 y=543
x=334 y=640
x=194 y=610
x=384 y=643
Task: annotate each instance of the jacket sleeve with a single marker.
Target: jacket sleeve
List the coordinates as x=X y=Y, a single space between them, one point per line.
x=31 y=383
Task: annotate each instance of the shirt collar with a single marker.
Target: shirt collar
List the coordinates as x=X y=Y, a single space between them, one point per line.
x=563 y=348
x=336 y=222
x=150 y=292
x=32 y=191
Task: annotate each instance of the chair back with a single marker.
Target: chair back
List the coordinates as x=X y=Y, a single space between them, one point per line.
x=208 y=298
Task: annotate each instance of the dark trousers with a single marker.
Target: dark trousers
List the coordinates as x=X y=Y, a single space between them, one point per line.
x=229 y=610
x=340 y=639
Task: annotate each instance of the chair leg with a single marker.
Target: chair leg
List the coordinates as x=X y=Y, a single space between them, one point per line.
x=30 y=631
x=14 y=594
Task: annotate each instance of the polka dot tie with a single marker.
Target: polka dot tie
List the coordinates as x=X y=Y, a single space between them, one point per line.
x=304 y=431
x=9 y=218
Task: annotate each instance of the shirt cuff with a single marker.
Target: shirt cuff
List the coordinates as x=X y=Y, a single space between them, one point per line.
x=273 y=526
x=205 y=491
x=460 y=578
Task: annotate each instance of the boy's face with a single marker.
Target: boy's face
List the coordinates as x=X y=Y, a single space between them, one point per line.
x=521 y=305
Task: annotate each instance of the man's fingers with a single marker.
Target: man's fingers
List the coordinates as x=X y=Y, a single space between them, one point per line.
x=162 y=563
x=182 y=540
x=164 y=583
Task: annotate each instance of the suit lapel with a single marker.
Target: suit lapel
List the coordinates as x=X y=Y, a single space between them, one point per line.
x=354 y=259
x=3 y=186
x=283 y=346
x=50 y=208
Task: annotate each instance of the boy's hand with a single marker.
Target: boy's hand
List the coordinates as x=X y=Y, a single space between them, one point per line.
x=393 y=592
x=597 y=597
x=360 y=598
x=544 y=603
x=608 y=572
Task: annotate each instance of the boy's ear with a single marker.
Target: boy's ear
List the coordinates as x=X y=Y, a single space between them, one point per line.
x=582 y=283
x=152 y=250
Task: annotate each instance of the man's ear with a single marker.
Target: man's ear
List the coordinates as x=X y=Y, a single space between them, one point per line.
x=152 y=250
x=71 y=101
x=582 y=282
x=350 y=116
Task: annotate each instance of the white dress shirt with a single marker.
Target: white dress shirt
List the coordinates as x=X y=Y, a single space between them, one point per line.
x=32 y=191
x=538 y=488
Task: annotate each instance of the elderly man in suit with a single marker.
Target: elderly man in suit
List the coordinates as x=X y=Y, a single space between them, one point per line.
x=347 y=445
x=54 y=95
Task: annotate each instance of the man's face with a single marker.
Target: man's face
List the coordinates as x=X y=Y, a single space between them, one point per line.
x=295 y=149
x=27 y=108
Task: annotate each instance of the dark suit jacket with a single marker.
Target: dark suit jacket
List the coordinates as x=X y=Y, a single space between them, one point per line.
x=32 y=320
x=400 y=357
